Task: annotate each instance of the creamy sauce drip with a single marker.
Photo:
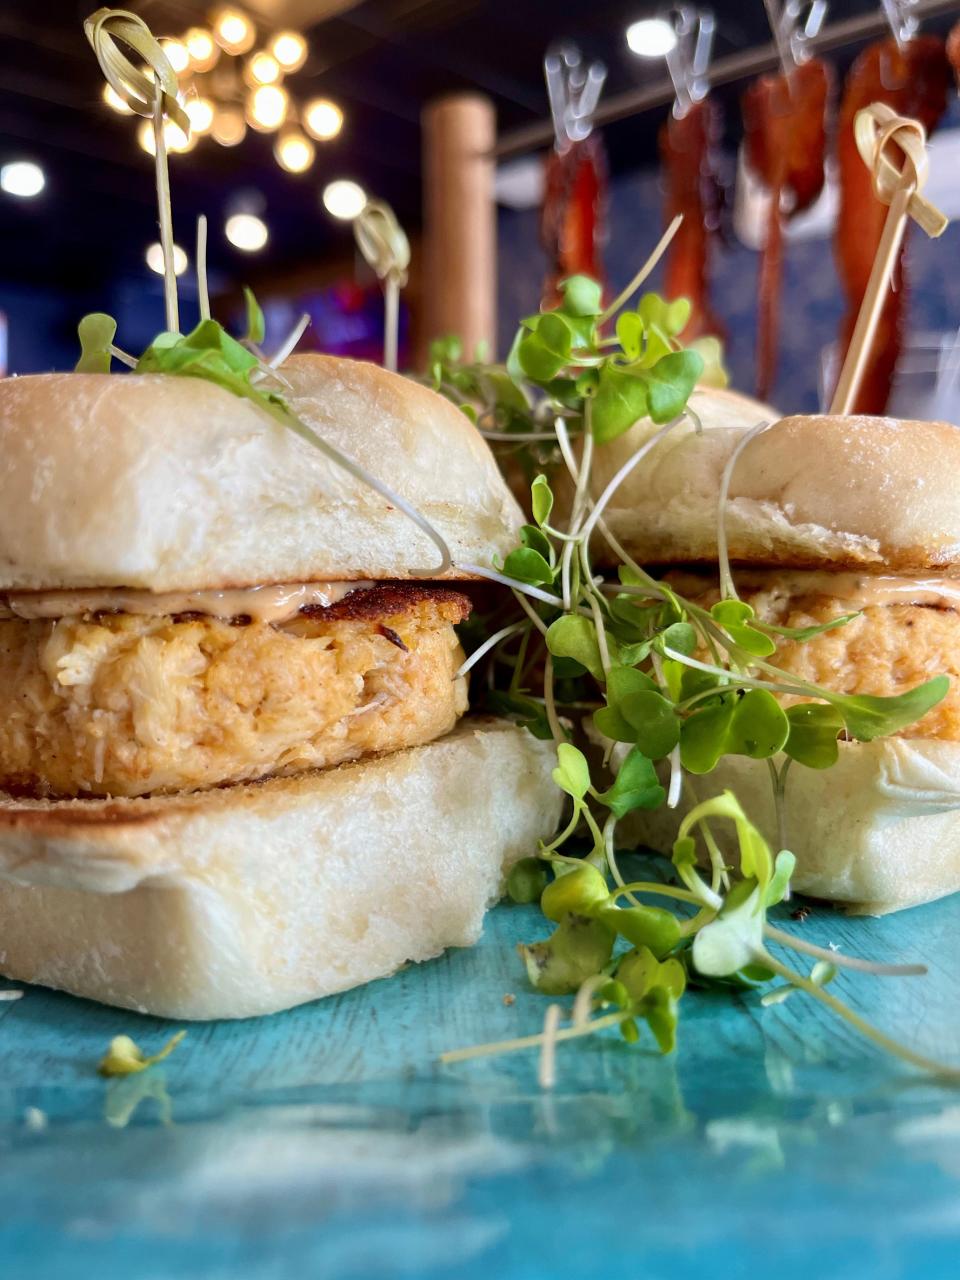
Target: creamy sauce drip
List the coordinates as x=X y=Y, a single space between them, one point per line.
x=272 y=604
x=854 y=590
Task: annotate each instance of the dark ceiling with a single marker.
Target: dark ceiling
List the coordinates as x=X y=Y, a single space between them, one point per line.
x=381 y=60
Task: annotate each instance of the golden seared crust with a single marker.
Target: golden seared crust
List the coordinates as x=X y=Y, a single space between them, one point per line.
x=124 y=706
x=889 y=648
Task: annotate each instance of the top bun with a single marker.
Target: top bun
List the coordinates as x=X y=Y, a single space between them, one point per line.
x=174 y=484
x=811 y=492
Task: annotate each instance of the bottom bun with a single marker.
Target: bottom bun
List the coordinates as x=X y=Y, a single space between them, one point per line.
x=251 y=898
x=877 y=832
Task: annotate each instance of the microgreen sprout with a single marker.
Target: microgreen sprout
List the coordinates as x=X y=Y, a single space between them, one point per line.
x=665 y=686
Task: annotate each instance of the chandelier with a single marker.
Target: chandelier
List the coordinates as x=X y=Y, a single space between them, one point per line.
x=230 y=82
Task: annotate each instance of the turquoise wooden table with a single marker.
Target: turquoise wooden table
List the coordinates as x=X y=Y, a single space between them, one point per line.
x=328 y=1142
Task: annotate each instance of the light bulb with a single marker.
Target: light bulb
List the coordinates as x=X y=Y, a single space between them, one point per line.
x=263 y=68
x=200 y=114
x=290 y=50
x=229 y=127
x=22 y=178
x=176 y=140
x=202 y=48
x=267 y=107
x=113 y=99
x=154 y=259
x=323 y=119
x=344 y=199
x=177 y=55
x=234 y=31
x=651 y=37
x=246 y=232
x=294 y=152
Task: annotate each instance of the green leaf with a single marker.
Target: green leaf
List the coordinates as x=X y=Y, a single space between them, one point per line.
x=574 y=636
x=529 y=713
x=611 y=724
x=703 y=736
x=659 y=1010
x=783 y=869
x=577 y=950
x=630 y=334
x=537 y=540
x=735 y=938
x=124 y=1057
x=809 y=633
x=654 y=720
x=527 y=565
x=681 y=637
x=581 y=296
x=670 y=382
x=96 y=332
x=728 y=612
x=621 y=400
x=541 y=498
x=579 y=891
x=752 y=641
x=755 y=858
x=623 y=680
x=572 y=773
x=636 y=786
x=638 y=971
x=814 y=727
x=644 y=926
x=758 y=727
x=543 y=352
x=256 y=325
x=867 y=717
x=656 y=312
x=527 y=880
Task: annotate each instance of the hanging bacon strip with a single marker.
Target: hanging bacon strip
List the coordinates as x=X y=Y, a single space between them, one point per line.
x=688 y=149
x=914 y=82
x=572 y=224
x=785 y=138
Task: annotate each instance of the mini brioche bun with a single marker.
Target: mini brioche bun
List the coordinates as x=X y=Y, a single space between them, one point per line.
x=248 y=899
x=174 y=484
x=812 y=492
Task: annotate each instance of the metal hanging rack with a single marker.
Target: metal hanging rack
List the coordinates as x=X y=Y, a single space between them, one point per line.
x=736 y=66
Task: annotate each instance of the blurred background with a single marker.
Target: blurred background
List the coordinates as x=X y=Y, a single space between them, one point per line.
x=303 y=108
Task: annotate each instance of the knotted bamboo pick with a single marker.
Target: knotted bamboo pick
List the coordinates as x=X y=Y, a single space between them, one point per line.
x=155 y=97
x=385 y=247
x=875 y=127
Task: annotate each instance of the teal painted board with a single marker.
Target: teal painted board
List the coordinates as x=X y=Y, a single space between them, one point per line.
x=328 y=1141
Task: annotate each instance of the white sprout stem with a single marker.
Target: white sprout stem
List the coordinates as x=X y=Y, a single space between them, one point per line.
x=738 y=678
x=563 y=440
x=676 y=778
x=294 y=336
x=203 y=290
x=529 y=610
x=547 y=1071
x=504 y=581
x=608 y=829
x=518 y=437
x=839 y=959
x=487 y=645
x=122 y=356
x=165 y=217
x=583 y=1001
x=549 y=702
x=865 y=1028
x=532 y=1042
x=661 y=248
x=391 y=321
x=727 y=590
x=601 y=631
x=622 y=474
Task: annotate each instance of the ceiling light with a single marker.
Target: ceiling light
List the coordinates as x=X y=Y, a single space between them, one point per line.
x=267 y=107
x=344 y=199
x=323 y=119
x=247 y=232
x=290 y=50
x=176 y=140
x=177 y=55
x=22 y=178
x=294 y=152
x=154 y=257
x=229 y=127
x=202 y=48
x=113 y=99
x=651 y=37
x=200 y=113
x=234 y=31
x=263 y=68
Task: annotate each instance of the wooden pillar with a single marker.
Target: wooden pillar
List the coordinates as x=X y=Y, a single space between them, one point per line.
x=460 y=245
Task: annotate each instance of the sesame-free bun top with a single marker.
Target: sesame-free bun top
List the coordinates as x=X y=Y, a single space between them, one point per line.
x=174 y=484
x=818 y=491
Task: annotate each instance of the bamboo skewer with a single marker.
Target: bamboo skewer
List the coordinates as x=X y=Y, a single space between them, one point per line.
x=875 y=127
